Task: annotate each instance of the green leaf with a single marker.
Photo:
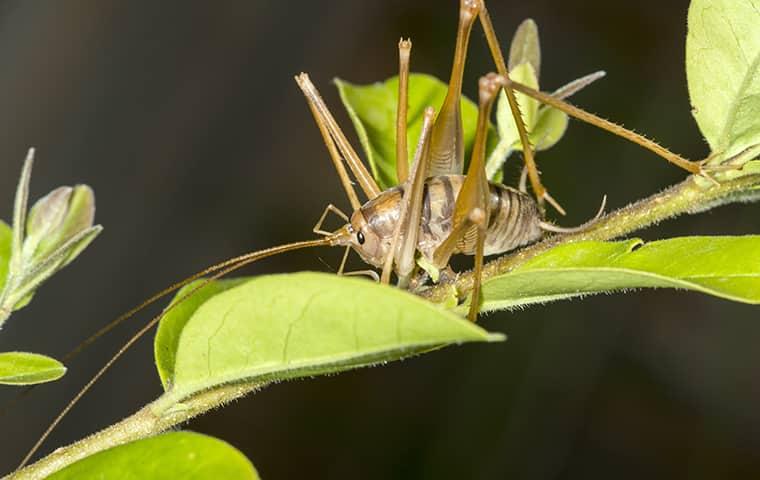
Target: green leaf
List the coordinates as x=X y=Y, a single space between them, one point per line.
x=6 y=238
x=525 y=74
x=185 y=455
x=192 y=296
x=372 y=109
x=287 y=326
x=727 y=267
x=551 y=125
x=21 y=368
x=526 y=47
x=723 y=71
x=545 y=125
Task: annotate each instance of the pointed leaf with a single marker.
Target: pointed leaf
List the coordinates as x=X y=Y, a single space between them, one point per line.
x=52 y=263
x=185 y=455
x=21 y=368
x=287 y=326
x=727 y=267
x=723 y=70
x=525 y=47
x=550 y=126
x=372 y=109
x=6 y=238
x=45 y=217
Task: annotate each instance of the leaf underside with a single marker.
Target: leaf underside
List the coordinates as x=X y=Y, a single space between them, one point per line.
x=723 y=71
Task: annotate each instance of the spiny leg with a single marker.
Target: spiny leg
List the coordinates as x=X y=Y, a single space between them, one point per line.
x=323 y=116
x=528 y=155
x=410 y=216
x=471 y=209
x=402 y=160
x=446 y=137
x=584 y=116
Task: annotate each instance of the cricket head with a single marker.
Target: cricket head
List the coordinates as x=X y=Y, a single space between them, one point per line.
x=362 y=238
x=369 y=231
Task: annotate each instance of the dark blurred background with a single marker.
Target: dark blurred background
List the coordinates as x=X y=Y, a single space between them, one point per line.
x=185 y=119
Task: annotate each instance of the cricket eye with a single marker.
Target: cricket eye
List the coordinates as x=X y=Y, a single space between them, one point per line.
x=360 y=238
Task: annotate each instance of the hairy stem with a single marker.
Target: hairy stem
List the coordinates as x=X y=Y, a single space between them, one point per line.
x=154 y=418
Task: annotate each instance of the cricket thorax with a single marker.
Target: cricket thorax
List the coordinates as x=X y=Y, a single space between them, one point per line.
x=514 y=220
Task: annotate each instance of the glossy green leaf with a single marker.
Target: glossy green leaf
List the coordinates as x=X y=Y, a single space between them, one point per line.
x=176 y=455
x=6 y=237
x=286 y=326
x=21 y=368
x=372 y=109
x=727 y=267
x=187 y=301
x=723 y=71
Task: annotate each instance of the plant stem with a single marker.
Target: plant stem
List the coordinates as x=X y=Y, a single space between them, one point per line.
x=693 y=195
x=690 y=196
x=158 y=416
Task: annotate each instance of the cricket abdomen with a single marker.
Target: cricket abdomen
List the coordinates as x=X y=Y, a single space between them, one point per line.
x=514 y=219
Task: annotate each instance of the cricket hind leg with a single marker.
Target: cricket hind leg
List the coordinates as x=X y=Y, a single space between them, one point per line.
x=542 y=195
x=447 y=137
x=618 y=130
x=471 y=211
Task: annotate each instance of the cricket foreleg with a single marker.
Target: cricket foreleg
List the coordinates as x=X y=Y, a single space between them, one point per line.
x=404 y=243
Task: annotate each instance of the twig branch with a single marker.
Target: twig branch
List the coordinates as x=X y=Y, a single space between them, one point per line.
x=690 y=196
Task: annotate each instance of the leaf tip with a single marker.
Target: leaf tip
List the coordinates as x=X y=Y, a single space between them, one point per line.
x=495 y=337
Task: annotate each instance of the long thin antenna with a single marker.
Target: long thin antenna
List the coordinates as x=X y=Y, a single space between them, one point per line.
x=121 y=319
x=231 y=265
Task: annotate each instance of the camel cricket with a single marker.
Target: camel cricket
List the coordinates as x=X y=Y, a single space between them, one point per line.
x=436 y=211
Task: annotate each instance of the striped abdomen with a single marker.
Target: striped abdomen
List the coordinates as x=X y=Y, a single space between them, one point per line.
x=514 y=218
x=513 y=221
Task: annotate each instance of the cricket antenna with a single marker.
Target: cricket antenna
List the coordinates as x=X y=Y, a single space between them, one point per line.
x=7 y=407
x=221 y=270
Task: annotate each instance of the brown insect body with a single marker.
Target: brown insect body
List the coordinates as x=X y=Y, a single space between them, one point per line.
x=514 y=220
